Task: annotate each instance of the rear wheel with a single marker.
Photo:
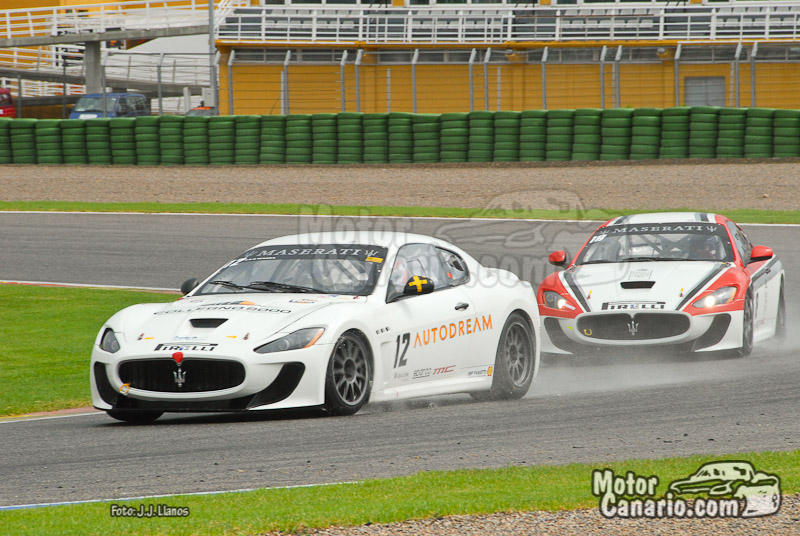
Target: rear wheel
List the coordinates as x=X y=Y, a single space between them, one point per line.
x=747 y=328
x=349 y=377
x=514 y=361
x=135 y=417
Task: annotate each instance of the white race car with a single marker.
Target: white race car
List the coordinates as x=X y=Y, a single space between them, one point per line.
x=690 y=281
x=317 y=321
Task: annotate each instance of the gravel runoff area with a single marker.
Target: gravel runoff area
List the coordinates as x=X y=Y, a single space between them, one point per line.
x=654 y=185
x=649 y=185
x=587 y=522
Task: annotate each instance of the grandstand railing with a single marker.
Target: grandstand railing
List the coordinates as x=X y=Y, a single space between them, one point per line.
x=731 y=21
x=112 y=16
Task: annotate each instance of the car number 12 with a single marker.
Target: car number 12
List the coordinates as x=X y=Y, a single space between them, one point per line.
x=400 y=358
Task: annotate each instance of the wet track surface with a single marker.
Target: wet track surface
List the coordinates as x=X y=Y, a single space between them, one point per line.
x=579 y=410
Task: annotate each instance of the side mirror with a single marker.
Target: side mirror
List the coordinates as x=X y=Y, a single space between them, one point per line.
x=558 y=258
x=189 y=285
x=760 y=253
x=418 y=285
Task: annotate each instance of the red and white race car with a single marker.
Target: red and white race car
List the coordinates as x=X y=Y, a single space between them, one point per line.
x=689 y=281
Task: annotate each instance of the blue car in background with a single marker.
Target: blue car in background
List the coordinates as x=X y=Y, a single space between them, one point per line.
x=95 y=105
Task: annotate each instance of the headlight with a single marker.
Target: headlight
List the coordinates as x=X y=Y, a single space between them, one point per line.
x=554 y=300
x=720 y=296
x=109 y=341
x=302 y=338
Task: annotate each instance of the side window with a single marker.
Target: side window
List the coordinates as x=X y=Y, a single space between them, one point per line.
x=740 y=239
x=124 y=109
x=141 y=105
x=416 y=259
x=457 y=272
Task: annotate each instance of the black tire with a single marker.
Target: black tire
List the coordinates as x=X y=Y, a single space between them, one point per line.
x=780 y=321
x=348 y=380
x=135 y=417
x=747 y=328
x=514 y=361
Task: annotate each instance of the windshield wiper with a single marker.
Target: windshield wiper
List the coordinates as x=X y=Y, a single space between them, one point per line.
x=639 y=259
x=283 y=287
x=229 y=284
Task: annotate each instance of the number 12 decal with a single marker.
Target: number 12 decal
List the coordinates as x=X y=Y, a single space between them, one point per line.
x=400 y=358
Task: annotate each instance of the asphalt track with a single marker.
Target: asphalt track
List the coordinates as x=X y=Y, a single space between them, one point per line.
x=577 y=411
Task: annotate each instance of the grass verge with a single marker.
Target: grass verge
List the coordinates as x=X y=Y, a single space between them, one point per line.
x=738 y=215
x=47 y=335
x=423 y=495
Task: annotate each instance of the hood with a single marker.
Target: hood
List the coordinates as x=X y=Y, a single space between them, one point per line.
x=655 y=285
x=202 y=324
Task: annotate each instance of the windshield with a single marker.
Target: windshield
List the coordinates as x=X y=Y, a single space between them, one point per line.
x=95 y=104
x=658 y=242
x=315 y=268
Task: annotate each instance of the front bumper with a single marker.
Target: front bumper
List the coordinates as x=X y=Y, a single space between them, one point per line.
x=597 y=331
x=280 y=380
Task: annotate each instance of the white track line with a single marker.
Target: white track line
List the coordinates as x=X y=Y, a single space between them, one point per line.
x=148 y=497
x=479 y=219
x=84 y=285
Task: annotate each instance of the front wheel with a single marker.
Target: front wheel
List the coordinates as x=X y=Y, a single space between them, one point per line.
x=349 y=377
x=135 y=417
x=514 y=360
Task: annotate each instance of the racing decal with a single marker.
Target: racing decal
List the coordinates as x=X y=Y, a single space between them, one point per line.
x=234 y=306
x=428 y=372
x=703 y=216
x=401 y=376
x=715 y=271
x=569 y=279
x=764 y=273
x=640 y=273
x=452 y=330
x=402 y=348
x=362 y=252
x=444 y=370
x=483 y=372
x=177 y=347
x=684 y=228
x=303 y=301
x=633 y=306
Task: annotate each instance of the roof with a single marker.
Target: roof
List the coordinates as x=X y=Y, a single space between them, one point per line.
x=386 y=239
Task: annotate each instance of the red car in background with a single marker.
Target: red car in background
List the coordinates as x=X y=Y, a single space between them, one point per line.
x=7 y=106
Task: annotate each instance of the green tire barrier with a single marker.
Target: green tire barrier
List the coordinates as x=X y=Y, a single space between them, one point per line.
x=398 y=137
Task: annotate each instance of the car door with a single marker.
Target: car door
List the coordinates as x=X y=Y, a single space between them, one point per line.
x=427 y=338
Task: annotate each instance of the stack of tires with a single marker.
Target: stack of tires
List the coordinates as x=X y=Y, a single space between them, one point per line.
x=48 y=142
x=731 y=132
x=426 y=138
x=23 y=140
x=758 y=133
x=148 y=147
x=481 y=136
x=674 y=132
x=533 y=135
x=376 y=138
x=122 y=131
x=98 y=142
x=195 y=140
x=221 y=140
x=560 y=135
x=786 y=130
x=299 y=139
x=617 y=131
x=454 y=137
x=247 y=139
x=6 y=156
x=587 y=134
x=324 y=139
x=645 y=134
x=401 y=138
x=703 y=131
x=170 y=136
x=350 y=138
x=273 y=139
x=506 y=136
x=73 y=141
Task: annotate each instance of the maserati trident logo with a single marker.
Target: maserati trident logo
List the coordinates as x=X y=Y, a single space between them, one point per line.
x=180 y=375
x=633 y=327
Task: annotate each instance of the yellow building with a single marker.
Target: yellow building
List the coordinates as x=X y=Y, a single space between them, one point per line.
x=436 y=57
